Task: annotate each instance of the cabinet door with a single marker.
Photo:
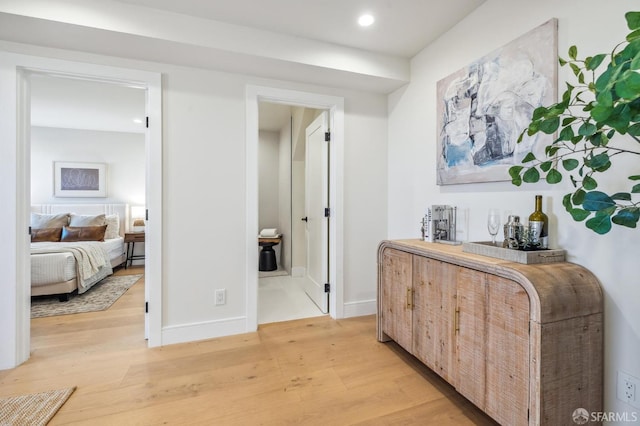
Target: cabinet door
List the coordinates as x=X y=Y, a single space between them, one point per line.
x=397 y=297
x=471 y=335
x=433 y=315
x=507 y=352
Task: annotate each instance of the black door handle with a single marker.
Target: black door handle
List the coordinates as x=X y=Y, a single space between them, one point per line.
x=305 y=219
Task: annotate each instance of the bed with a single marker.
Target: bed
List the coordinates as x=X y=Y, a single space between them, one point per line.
x=74 y=246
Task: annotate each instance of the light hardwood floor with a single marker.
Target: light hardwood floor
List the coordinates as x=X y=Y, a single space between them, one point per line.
x=304 y=372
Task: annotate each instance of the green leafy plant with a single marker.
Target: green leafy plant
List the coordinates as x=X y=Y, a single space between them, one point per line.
x=597 y=107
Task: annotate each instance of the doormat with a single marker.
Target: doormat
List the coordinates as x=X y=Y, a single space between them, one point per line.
x=34 y=409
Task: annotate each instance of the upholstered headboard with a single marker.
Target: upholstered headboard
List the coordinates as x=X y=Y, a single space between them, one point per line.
x=88 y=209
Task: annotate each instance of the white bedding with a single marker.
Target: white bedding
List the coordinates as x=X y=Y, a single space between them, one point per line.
x=49 y=268
x=56 y=273
x=52 y=263
x=114 y=247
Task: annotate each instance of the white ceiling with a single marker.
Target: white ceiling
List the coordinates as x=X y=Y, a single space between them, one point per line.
x=316 y=42
x=312 y=42
x=81 y=104
x=402 y=27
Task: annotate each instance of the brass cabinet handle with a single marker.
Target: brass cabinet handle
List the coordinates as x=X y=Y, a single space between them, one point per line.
x=456 y=320
x=409 y=298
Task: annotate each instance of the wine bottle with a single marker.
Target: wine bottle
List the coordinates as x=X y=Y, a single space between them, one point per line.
x=539 y=225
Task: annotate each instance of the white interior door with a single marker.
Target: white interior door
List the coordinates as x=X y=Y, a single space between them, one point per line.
x=316 y=200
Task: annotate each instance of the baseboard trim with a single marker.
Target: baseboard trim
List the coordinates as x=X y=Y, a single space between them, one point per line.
x=203 y=330
x=361 y=308
x=229 y=326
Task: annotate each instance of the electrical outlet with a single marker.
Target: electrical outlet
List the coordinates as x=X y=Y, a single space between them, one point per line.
x=627 y=389
x=221 y=296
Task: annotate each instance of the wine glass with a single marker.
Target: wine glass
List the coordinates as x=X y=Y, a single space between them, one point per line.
x=493 y=223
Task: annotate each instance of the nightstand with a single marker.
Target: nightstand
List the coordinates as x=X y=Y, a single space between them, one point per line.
x=130 y=239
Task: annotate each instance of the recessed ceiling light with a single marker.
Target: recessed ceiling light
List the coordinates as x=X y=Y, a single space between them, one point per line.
x=366 y=20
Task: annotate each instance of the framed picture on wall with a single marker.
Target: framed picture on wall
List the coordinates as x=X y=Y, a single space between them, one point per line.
x=483 y=108
x=73 y=179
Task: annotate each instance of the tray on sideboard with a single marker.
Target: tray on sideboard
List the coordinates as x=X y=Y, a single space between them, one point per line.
x=487 y=248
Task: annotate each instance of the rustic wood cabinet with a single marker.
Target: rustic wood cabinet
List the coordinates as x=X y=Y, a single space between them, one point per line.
x=522 y=342
x=432 y=315
x=397 y=322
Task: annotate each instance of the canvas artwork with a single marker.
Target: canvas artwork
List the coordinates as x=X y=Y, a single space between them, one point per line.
x=80 y=179
x=483 y=108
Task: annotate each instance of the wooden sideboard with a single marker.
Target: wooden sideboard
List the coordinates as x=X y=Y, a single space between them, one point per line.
x=524 y=343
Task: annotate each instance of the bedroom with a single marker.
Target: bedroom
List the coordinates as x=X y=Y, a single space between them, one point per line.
x=80 y=123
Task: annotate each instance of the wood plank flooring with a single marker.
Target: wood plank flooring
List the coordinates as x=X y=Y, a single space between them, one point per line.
x=316 y=371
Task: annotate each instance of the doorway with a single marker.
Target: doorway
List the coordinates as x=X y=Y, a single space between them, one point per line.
x=335 y=108
x=284 y=291
x=87 y=122
x=14 y=100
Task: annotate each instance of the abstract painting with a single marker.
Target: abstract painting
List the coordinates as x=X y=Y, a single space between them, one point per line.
x=483 y=108
x=80 y=179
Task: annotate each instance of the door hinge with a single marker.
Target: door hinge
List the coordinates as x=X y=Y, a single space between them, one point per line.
x=29 y=230
x=146 y=214
x=327 y=288
x=327 y=136
x=147 y=122
x=146 y=307
x=327 y=212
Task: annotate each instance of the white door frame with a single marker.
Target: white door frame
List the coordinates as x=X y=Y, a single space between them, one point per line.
x=15 y=191
x=335 y=106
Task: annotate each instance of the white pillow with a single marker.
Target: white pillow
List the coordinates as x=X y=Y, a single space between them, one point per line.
x=40 y=220
x=87 y=220
x=113 y=226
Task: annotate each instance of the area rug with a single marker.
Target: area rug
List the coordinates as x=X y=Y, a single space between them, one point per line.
x=97 y=298
x=32 y=410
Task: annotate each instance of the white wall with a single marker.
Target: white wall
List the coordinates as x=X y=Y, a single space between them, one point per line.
x=284 y=180
x=204 y=115
x=270 y=169
x=204 y=241
x=122 y=152
x=268 y=179
x=595 y=27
